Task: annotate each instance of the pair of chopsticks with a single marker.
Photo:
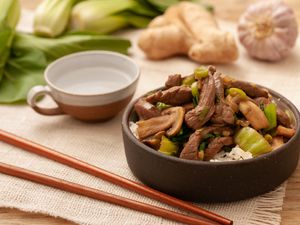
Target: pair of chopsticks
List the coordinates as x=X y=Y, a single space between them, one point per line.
x=105 y=175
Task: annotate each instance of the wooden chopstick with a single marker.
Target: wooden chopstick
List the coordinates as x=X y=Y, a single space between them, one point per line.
x=108 y=176
x=97 y=194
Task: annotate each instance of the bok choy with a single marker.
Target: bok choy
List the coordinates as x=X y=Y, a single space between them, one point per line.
x=102 y=16
x=9 y=16
x=52 y=16
x=30 y=55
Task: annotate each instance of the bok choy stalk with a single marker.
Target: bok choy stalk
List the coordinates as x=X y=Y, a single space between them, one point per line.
x=30 y=55
x=99 y=16
x=52 y=16
x=106 y=16
x=9 y=17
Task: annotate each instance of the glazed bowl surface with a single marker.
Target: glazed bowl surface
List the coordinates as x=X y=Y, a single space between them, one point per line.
x=211 y=181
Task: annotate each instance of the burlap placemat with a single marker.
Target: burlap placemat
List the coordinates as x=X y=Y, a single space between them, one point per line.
x=101 y=145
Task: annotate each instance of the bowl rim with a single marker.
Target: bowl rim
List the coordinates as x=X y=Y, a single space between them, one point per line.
x=92 y=53
x=129 y=109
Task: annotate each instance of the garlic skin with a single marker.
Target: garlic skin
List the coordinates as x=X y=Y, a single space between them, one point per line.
x=268 y=30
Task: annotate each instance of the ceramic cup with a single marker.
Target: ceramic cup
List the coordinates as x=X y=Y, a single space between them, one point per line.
x=90 y=86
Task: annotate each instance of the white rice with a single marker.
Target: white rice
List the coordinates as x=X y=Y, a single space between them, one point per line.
x=133 y=127
x=235 y=154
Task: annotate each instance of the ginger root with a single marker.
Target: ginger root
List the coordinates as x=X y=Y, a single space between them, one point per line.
x=188 y=29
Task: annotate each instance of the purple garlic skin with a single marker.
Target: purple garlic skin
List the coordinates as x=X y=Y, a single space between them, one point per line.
x=268 y=30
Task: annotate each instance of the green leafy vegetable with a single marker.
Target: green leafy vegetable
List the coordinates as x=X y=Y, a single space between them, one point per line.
x=99 y=16
x=250 y=140
x=52 y=16
x=202 y=146
x=9 y=17
x=22 y=73
x=182 y=136
x=30 y=55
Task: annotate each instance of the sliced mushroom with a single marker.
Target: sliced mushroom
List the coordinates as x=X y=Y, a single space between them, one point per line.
x=177 y=114
x=277 y=142
x=232 y=102
x=170 y=121
x=254 y=114
x=154 y=141
x=285 y=132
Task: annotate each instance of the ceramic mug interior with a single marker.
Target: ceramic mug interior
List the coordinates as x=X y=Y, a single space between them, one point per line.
x=92 y=85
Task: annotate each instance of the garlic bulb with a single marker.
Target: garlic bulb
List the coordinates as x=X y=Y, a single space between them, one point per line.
x=268 y=30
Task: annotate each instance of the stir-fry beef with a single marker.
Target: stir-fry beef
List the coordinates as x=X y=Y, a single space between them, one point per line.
x=197 y=117
x=262 y=101
x=215 y=146
x=145 y=110
x=173 y=80
x=190 y=150
x=188 y=106
x=250 y=89
x=177 y=95
x=223 y=112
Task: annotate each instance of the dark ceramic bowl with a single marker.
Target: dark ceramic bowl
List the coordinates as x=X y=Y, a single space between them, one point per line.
x=211 y=181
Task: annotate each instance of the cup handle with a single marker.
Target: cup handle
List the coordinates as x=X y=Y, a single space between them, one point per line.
x=39 y=91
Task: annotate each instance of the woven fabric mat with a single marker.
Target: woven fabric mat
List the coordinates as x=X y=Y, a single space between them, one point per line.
x=101 y=145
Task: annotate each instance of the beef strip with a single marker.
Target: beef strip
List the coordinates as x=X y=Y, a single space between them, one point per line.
x=190 y=150
x=249 y=88
x=282 y=117
x=215 y=146
x=262 y=101
x=173 y=80
x=188 y=106
x=177 y=95
x=198 y=116
x=223 y=112
x=145 y=110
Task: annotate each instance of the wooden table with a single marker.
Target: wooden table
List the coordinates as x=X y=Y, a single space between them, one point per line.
x=229 y=10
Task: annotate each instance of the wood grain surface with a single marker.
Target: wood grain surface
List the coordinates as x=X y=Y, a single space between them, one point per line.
x=229 y=10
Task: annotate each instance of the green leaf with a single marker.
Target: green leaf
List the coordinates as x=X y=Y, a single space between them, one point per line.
x=21 y=74
x=9 y=17
x=30 y=56
x=67 y=44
